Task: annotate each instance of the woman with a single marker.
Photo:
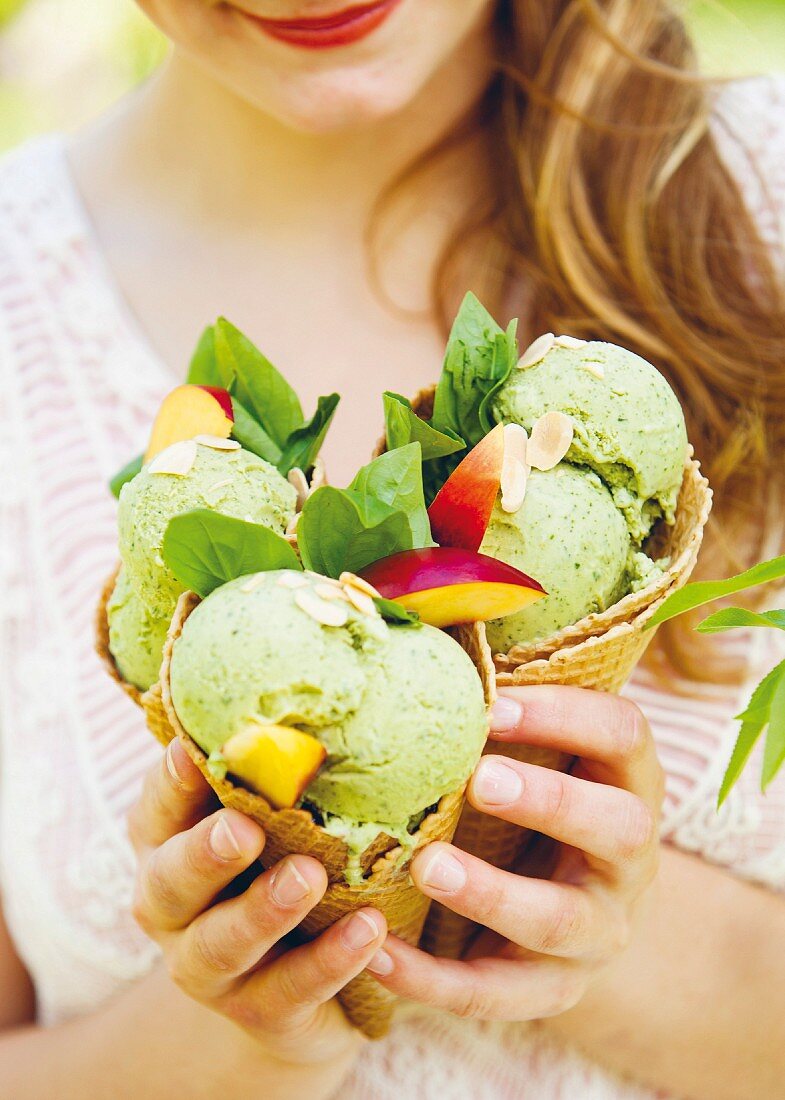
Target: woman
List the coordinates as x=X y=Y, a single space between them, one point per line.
x=579 y=184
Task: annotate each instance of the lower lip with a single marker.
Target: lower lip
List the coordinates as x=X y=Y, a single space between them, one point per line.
x=341 y=29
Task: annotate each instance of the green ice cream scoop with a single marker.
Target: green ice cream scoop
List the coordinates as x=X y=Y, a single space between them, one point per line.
x=629 y=426
x=400 y=710
x=235 y=483
x=136 y=636
x=568 y=534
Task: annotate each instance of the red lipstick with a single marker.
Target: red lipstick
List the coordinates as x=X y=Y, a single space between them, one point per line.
x=341 y=28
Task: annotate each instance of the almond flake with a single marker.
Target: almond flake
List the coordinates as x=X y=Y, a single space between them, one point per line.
x=299 y=481
x=595 y=369
x=358 y=582
x=516 y=441
x=252 y=583
x=515 y=476
x=291 y=526
x=361 y=601
x=570 y=342
x=537 y=351
x=330 y=591
x=328 y=614
x=217 y=442
x=177 y=459
x=550 y=440
x=292 y=580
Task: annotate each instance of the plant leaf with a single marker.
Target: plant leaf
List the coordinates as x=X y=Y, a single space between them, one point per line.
x=703 y=592
x=395 y=478
x=478 y=359
x=205 y=549
x=250 y=434
x=507 y=350
x=128 y=473
x=256 y=383
x=204 y=369
x=394 y=613
x=731 y=618
x=753 y=722
x=774 y=752
x=403 y=425
x=305 y=442
x=340 y=529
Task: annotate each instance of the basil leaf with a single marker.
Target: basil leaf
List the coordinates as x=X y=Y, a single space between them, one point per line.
x=403 y=425
x=250 y=434
x=204 y=369
x=128 y=473
x=205 y=549
x=304 y=444
x=702 y=592
x=264 y=392
x=774 y=752
x=753 y=722
x=395 y=478
x=340 y=529
x=394 y=613
x=730 y=618
x=478 y=359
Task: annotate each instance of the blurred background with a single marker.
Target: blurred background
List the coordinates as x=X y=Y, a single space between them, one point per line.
x=63 y=61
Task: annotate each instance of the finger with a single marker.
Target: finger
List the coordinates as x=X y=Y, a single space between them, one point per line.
x=605 y=822
x=180 y=879
x=174 y=797
x=547 y=917
x=229 y=940
x=489 y=989
x=285 y=994
x=606 y=729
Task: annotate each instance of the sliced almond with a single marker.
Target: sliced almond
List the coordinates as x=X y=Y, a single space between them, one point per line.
x=330 y=591
x=291 y=526
x=328 y=614
x=515 y=475
x=595 y=369
x=537 y=351
x=253 y=582
x=299 y=481
x=361 y=601
x=570 y=342
x=292 y=580
x=550 y=440
x=177 y=459
x=516 y=441
x=358 y=582
x=217 y=442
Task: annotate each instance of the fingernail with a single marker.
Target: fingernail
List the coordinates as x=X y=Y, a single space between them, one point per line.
x=380 y=964
x=360 y=931
x=506 y=714
x=223 y=841
x=444 y=872
x=171 y=765
x=496 y=784
x=288 y=885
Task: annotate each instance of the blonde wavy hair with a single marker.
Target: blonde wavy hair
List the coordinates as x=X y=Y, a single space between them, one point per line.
x=609 y=214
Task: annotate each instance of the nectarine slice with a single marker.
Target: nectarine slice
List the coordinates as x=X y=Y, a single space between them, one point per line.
x=278 y=762
x=447 y=585
x=189 y=411
x=462 y=508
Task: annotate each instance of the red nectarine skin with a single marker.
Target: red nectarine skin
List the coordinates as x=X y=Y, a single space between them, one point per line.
x=440 y=567
x=223 y=398
x=462 y=508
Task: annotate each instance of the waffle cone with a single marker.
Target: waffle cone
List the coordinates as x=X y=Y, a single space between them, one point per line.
x=386 y=885
x=599 y=652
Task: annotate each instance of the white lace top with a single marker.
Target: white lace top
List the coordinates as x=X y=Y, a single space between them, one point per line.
x=77 y=384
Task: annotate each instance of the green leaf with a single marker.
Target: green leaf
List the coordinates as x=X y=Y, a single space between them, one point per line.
x=205 y=549
x=774 y=752
x=753 y=722
x=304 y=444
x=395 y=479
x=478 y=359
x=250 y=434
x=340 y=529
x=204 y=369
x=128 y=473
x=731 y=618
x=703 y=592
x=403 y=425
x=394 y=613
x=264 y=392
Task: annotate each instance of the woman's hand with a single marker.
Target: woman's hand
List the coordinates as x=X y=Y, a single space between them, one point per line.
x=550 y=936
x=227 y=954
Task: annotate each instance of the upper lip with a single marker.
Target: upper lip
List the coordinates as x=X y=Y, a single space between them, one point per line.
x=318 y=22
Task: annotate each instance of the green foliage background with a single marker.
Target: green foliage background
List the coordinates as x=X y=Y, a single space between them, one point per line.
x=63 y=61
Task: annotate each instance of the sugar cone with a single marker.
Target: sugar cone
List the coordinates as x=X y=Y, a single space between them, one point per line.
x=386 y=885
x=599 y=652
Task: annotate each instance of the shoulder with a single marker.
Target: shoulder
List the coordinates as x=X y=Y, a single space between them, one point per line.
x=748 y=124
